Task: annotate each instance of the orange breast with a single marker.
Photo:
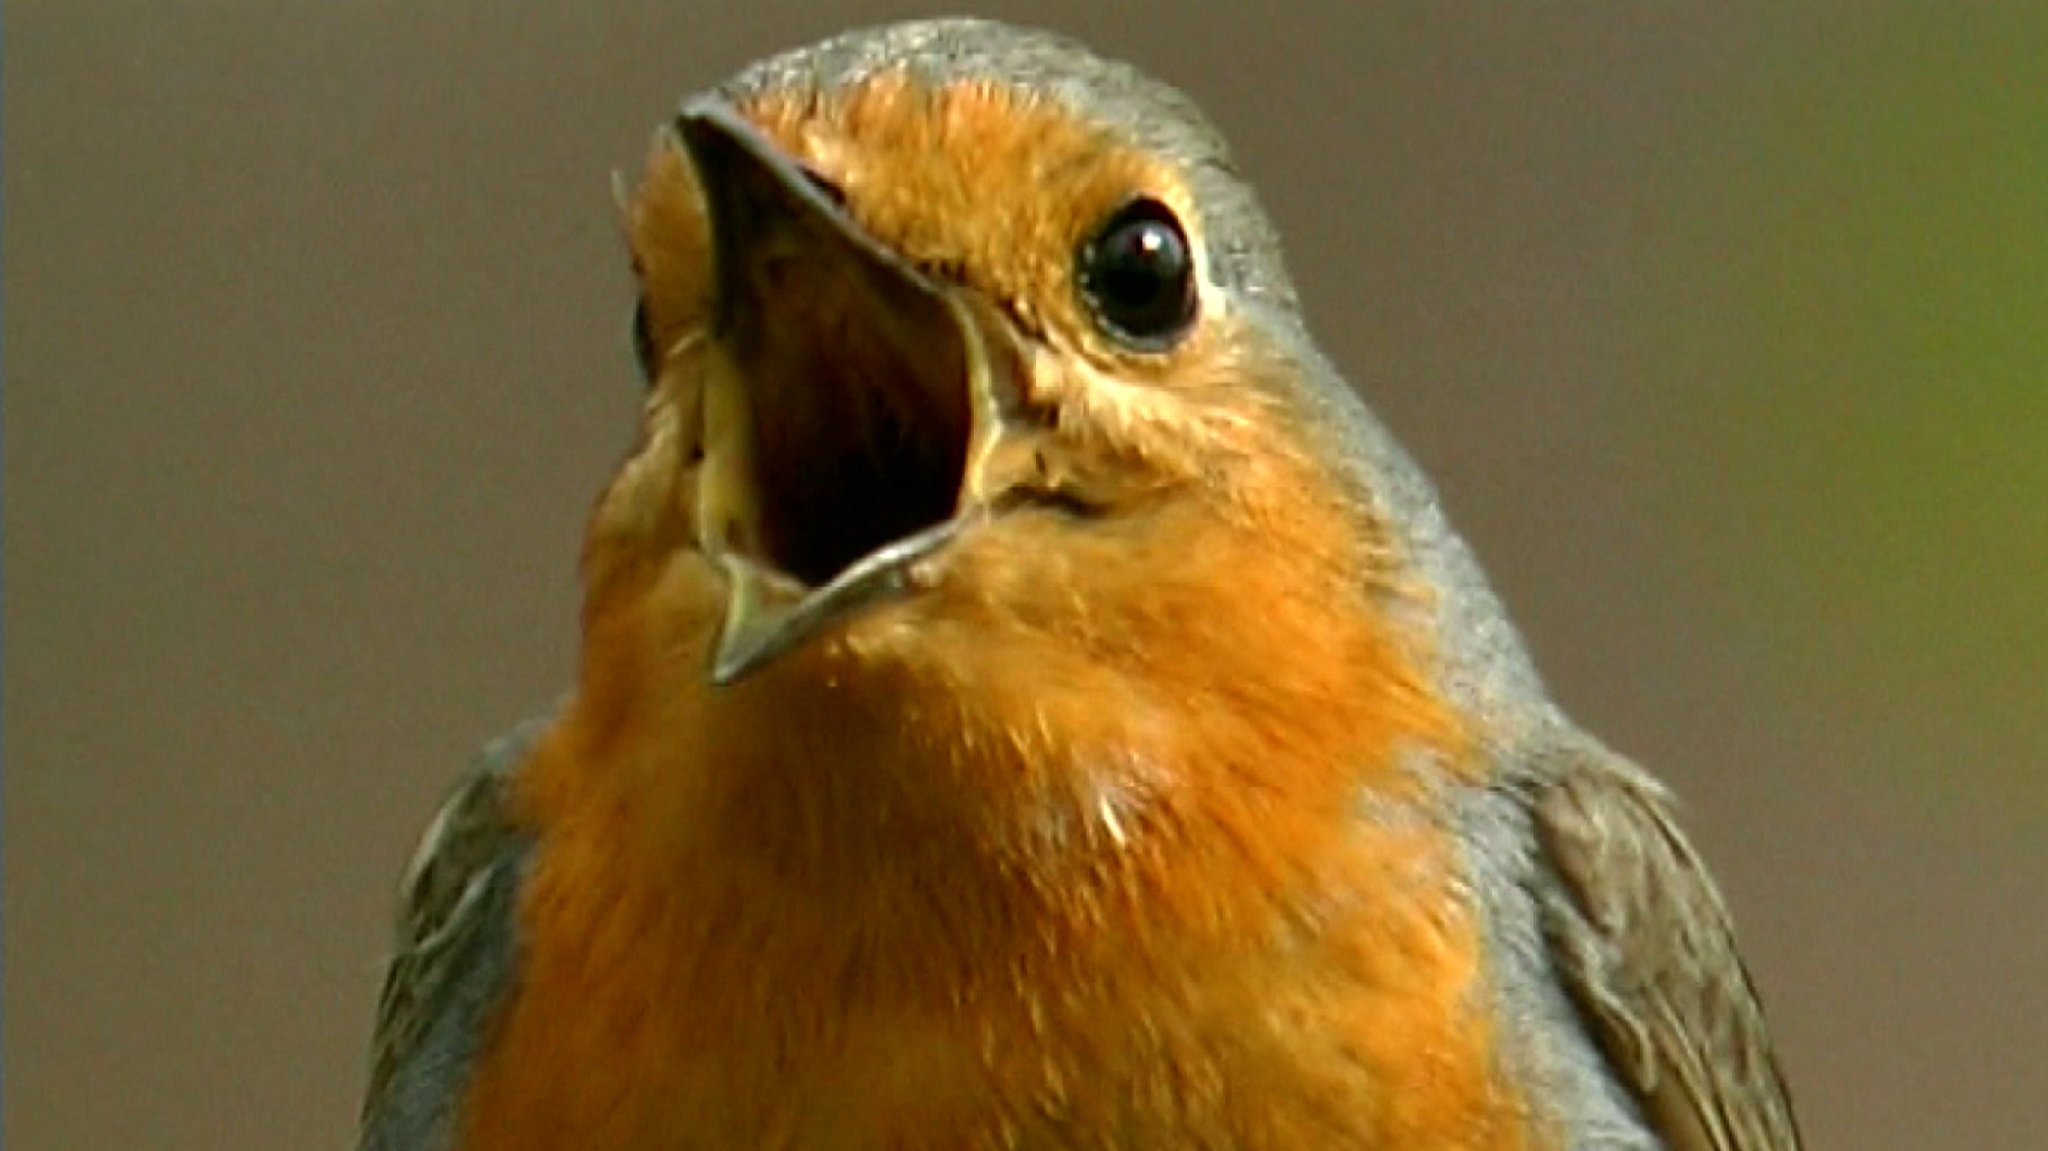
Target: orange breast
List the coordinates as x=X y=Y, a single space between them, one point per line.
x=733 y=1001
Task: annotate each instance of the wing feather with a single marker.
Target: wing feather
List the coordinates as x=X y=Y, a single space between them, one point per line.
x=1647 y=951
x=454 y=956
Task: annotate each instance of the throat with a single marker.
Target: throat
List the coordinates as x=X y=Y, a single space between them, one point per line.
x=883 y=852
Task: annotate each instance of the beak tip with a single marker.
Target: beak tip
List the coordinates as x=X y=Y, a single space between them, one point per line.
x=738 y=656
x=726 y=671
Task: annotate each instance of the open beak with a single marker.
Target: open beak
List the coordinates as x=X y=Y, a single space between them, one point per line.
x=850 y=404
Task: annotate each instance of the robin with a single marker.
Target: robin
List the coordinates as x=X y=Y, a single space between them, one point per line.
x=1028 y=702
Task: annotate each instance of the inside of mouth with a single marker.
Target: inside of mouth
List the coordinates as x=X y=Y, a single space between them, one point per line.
x=860 y=419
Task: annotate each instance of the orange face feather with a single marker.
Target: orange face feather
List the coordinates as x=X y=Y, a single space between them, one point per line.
x=1105 y=836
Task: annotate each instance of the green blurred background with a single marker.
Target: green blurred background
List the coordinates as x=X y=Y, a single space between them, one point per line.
x=1845 y=315
x=1721 y=327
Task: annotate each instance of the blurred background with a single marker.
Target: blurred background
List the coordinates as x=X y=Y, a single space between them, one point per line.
x=1724 y=329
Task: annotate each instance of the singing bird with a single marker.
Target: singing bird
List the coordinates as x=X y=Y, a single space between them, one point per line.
x=1027 y=701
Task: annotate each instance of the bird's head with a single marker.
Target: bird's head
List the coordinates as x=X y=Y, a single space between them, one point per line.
x=978 y=400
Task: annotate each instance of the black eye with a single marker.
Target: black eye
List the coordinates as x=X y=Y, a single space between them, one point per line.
x=1139 y=276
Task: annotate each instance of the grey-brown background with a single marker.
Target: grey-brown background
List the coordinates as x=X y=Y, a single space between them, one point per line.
x=1721 y=327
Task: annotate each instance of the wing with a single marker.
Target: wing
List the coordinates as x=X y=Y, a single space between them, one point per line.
x=454 y=954
x=1647 y=951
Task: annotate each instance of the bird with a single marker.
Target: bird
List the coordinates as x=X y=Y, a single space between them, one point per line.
x=1027 y=700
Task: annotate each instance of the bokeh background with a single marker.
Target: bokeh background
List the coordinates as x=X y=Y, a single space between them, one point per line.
x=1723 y=327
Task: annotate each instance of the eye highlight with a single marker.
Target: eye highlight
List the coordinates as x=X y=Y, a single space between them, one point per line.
x=1137 y=274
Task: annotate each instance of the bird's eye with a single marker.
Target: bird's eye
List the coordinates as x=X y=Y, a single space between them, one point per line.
x=1139 y=276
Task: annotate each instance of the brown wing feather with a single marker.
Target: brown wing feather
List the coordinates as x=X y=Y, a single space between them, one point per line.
x=1648 y=952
